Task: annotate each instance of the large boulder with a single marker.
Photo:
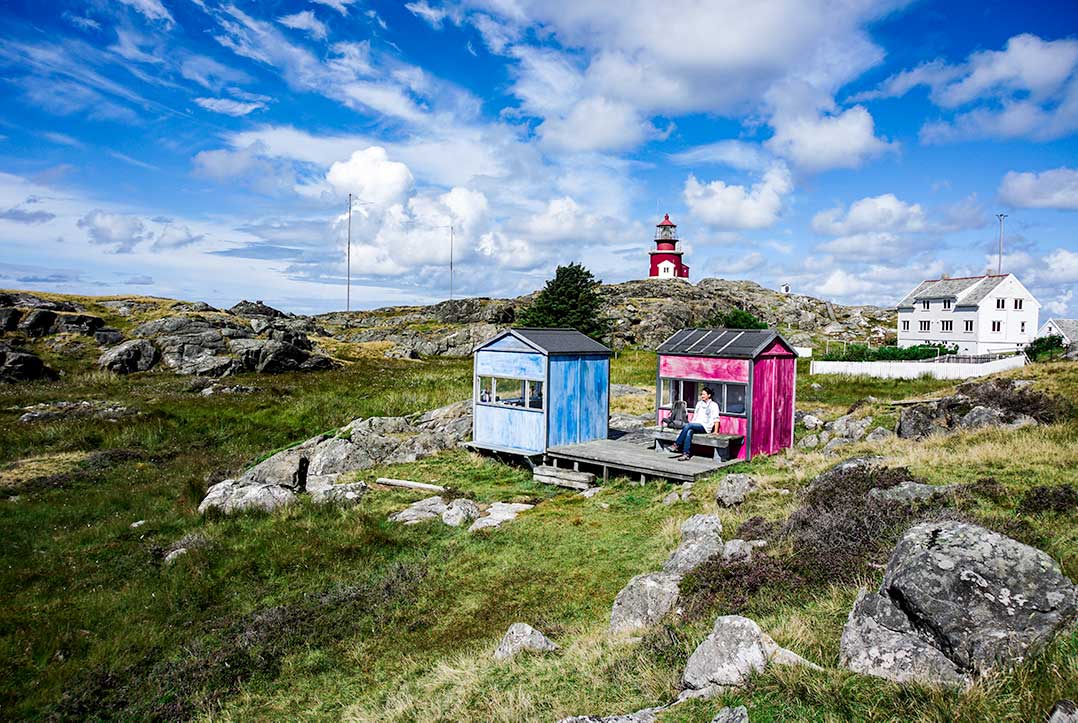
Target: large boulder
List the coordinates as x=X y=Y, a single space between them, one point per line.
x=231 y=496
x=735 y=649
x=957 y=601
x=255 y=308
x=700 y=541
x=9 y=319
x=77 y=324
x=37 y=322
x=498 y=514
x=417 y=512
x=22 y=366
x=460 y=511
x=521 y=637
x=137 y=355
x=644 y=601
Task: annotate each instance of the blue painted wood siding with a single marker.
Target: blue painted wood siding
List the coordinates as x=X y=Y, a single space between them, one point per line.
x=509 y=364
x=577 y=395
x=508 y=343
x=509 y=429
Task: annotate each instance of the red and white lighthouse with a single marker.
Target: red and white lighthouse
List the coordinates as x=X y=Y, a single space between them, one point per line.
x=666 y=257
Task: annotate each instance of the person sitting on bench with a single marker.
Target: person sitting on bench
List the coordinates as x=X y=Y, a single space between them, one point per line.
x=705 y=419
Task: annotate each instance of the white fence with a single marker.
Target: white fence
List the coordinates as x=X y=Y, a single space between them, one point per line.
x=914 y=369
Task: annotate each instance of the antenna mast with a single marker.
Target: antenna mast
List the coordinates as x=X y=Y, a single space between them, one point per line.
x=348 y=292
x=999 y=265
x=450 y=262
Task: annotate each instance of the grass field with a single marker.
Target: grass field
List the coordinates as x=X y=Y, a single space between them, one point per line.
x=327 y=613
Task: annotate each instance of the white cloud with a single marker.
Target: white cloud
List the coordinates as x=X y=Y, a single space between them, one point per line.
x=733 y=206
x=227 y=106
x=596 y=124
x=305 y=21
x=122 y=232
x=1027 y=90
x=1059 y=305
x=151 y=10
x=818 y=142
x=736 y=154
x=209 y=73
x=83 y=23
x=128 y=45
x=1056 y=188
x=62 y=139
x=433 y=16
x=874 y=213
x=372 y=177
x=1061 y=266
x=340 y=6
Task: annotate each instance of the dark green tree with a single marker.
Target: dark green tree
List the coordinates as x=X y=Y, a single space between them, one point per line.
x=735 y=319
x=1045 y=348
x=569 y=300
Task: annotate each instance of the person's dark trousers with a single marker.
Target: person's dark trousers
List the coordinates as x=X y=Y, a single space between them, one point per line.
x=684 y=440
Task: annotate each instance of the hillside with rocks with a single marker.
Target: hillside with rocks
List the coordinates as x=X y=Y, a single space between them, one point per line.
x=641 y=313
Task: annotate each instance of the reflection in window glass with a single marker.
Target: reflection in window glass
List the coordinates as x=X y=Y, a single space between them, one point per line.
x=509 y=391
x=735 y=398
x=665 y=393
x=535 y=395
x=689 y=393
x=485 y=390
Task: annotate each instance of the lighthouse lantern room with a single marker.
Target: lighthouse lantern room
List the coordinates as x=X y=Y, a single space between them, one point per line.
x=666 y=257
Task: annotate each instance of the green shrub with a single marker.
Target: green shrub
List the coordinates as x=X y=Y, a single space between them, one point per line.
x=735 y=319
x=863 y=352
x=1045 y=348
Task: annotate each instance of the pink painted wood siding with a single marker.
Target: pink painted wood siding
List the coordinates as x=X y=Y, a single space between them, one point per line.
x=691 y=367
x=775 y=349
x=727 y=425
x=772 y=403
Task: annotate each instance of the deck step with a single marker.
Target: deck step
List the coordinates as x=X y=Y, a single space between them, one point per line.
x=563 y=477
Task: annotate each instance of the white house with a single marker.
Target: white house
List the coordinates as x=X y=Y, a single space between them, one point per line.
x=1066 y=328
x=980 y=314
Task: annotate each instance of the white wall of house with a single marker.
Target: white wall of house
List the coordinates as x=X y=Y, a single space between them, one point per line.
x=666 y=269
x=1050 y=328
x=981 y=329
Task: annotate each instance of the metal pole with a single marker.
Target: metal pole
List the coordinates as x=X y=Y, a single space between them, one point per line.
x=450 y=262
x=348 y=292
x=999 y=266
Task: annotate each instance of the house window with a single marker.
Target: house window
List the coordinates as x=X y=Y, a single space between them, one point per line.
x=1001 y=303
x=730 y=396
x=969 y=325
x=925 y=304
x=926 y=325
x=1017 y=304
x=997 y=326
x=946 y=303
x=509 y=392
x=905 y=326
x=1023 y=329
x=946 y=326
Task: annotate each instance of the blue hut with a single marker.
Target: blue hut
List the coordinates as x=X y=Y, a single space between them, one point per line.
x=538 y=388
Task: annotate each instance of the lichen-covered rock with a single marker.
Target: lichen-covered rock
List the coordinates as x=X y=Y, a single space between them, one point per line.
x=345 y=495
x=978 y=598
x=647 y=715
x=230 y=496
x=740 y=714
x=740 y=550
x=426 y=509
x=460 y=511
x=499 y=513
x=733 y=489
x=912 y=492
x=811 y=421
x=700 y=541
x=735 y=649
x=644 y=601
x=879 y=434
x=521 y=637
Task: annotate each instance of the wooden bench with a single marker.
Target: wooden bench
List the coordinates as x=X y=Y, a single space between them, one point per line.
x=723 y=446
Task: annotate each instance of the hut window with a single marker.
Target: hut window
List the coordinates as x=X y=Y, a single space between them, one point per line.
x=510 y=392
x=735 y=399
x=665 y=392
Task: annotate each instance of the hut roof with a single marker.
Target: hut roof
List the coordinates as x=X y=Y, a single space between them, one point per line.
x=725 y=343
x=554 y=342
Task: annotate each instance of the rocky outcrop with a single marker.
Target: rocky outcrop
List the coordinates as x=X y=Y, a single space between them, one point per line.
x=426 y=509
x=957 y=601
x=836 y=433
x=499 y=513
x=30 y=301
x=735 y=649
x=460 y=511
x=17 y=365
x=1005 y=403
x=519 y=638
x=137 y=355
x=361 y=444
x=255 y=308
x=51 y=411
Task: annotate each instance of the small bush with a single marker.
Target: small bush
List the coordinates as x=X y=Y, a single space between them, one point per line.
x=1046 y=348
x=863 y=352
x=735 y=319
x=1049 y=498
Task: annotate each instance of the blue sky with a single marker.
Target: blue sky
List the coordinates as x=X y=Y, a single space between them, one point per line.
x=205 y=150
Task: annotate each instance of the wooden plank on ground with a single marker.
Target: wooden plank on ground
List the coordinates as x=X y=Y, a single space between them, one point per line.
x=561 y=482
x=566 y=474
x=409 y=484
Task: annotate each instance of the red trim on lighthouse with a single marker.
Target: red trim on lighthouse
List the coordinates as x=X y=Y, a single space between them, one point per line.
x=666 y=252
x=666 y=221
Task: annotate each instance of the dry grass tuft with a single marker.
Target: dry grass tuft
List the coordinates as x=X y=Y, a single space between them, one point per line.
x=19 y=473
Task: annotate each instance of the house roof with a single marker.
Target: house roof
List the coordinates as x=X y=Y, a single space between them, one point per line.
x=560 y=341
x=1069 y=327
x=968 y=290
x=725 y=343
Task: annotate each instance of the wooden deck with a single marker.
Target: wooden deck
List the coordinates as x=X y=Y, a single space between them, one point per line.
x=637 y=460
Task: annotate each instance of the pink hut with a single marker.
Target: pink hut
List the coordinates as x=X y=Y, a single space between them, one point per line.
x=752 y=373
